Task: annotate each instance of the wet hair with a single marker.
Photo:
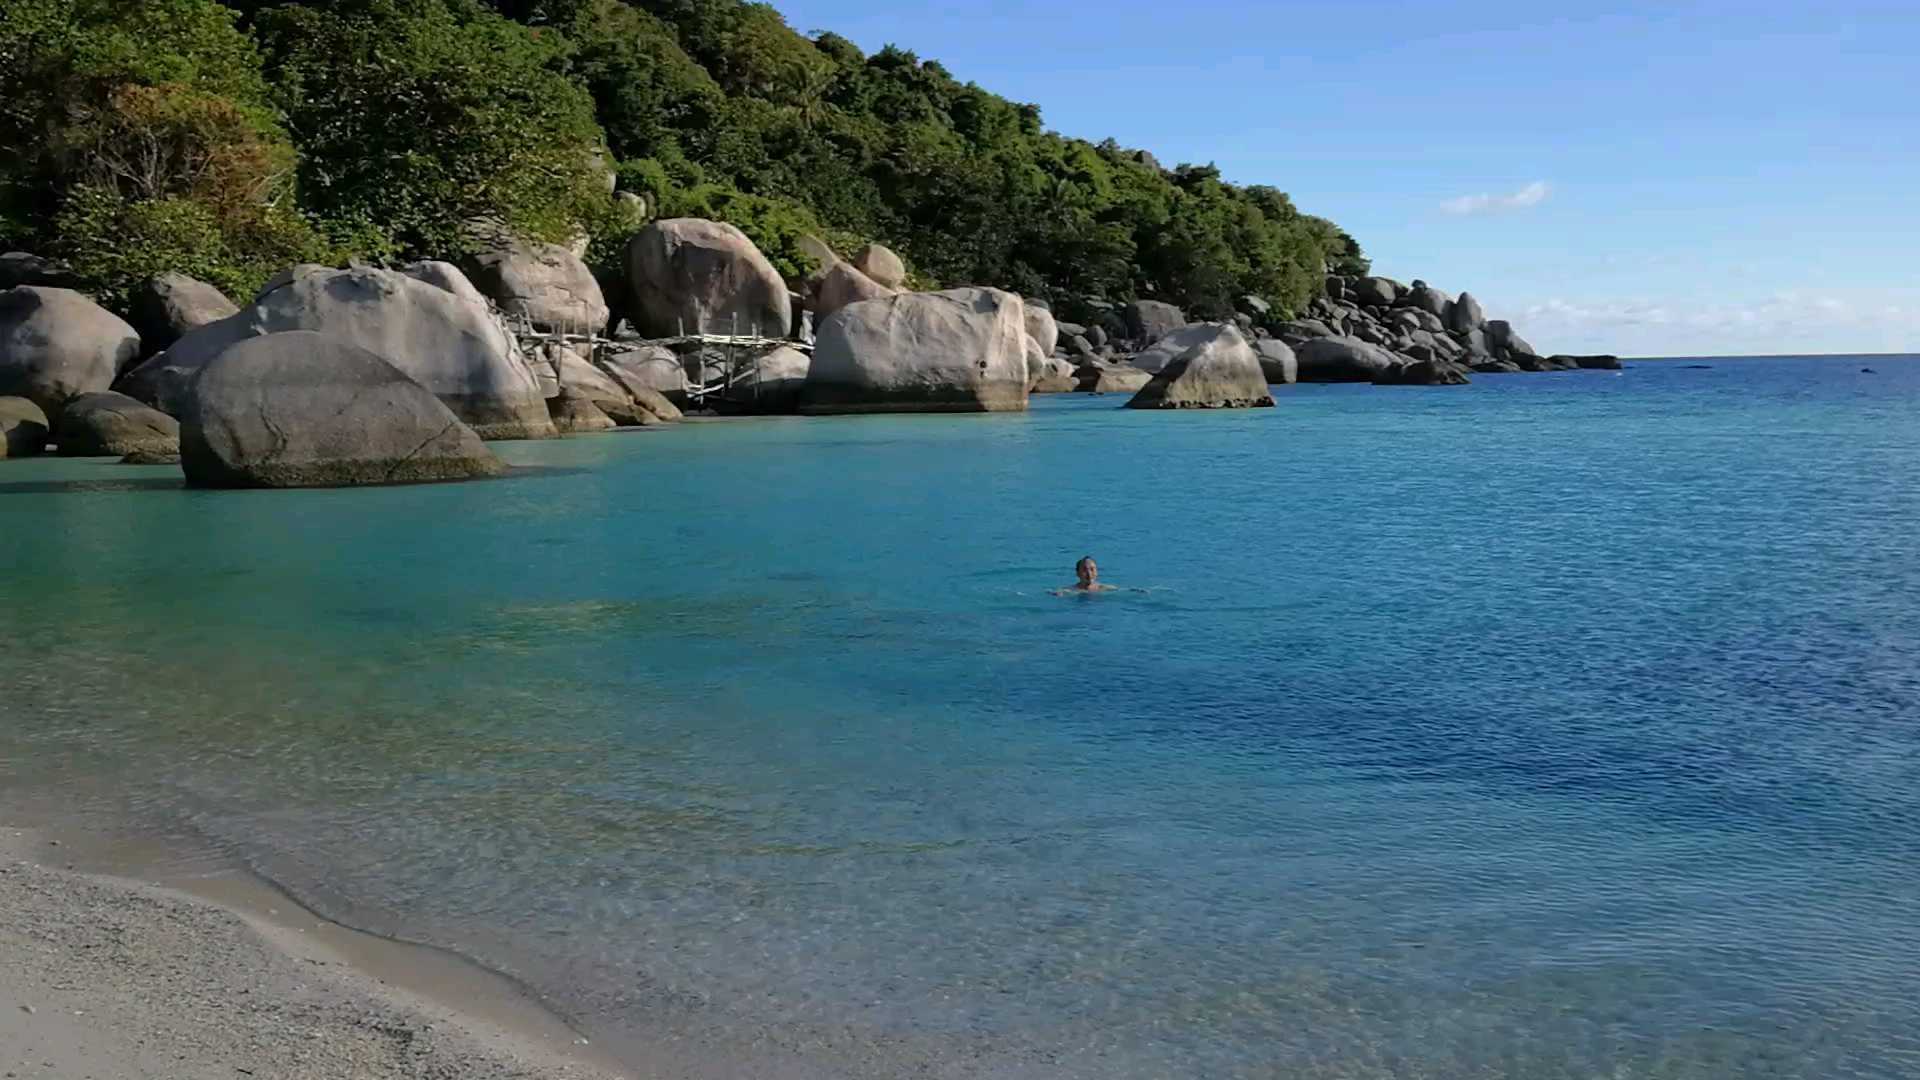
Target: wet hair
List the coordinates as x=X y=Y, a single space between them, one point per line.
x=1085 y=561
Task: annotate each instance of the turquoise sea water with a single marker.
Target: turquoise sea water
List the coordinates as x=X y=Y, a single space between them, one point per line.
x=1554 y=726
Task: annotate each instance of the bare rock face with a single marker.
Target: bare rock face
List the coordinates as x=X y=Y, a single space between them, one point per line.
x=1277 y=362
x=575 y=415
x=1341 y=359
x=780 y=377
x=444 y=275
x=546 y=284
x=1464 y=315
x=1217 y=370
x=166 y=306
x=455 y=348
x=56 y=344
x=305 y=409
x=690 y=274
x=841 y=284
x=23 y=428
x=1148 y=321
x=1049 y=375
x=882 y=265
x=962 y=350
x=1375 y=291
x=1100 y=377
x=1042 y=328
x=107 y=424
x=1157 y=356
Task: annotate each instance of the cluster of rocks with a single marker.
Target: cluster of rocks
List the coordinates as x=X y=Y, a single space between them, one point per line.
x=327 y=376
x=368 y=375
x=1374 y=329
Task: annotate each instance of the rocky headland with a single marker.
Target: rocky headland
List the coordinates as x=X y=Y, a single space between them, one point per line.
x=367 y=374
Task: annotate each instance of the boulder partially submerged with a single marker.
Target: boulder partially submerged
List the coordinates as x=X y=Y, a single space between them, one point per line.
x=1217 y=369
x=455 y=348
x=23 y=428
x=1342 y=359
x=1277 y=362
x=107 y=424
x=962 y=350
x=56 y=345
x=305 y=409
x=1102 y=377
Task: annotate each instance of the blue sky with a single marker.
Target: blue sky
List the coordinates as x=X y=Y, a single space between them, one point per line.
x=1647 y=179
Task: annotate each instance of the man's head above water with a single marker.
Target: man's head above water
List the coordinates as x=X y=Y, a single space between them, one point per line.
x=1087 y=571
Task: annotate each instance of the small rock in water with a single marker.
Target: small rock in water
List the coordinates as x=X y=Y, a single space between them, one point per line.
x=28 y=1009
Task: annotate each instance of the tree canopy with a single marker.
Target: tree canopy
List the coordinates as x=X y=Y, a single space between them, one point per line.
x=248 y=134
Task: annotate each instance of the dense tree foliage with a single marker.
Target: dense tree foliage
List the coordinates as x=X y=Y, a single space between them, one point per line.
x=378 y=127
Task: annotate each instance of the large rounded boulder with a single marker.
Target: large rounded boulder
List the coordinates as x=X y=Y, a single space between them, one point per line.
x=1217 y=369
x=166 y=306
x=304 y=409
x=1150 y=320
x=444 y=276
x=690 y=275
x=1042 y=328
x=882 y=265
x=962 y=350
x=56 y=344
x=1157 y=356
x=454 y=347
x=841 y=284
x=1424 y=297
x=1463 y=315
x=545 y=284
x=109 y=424
x=1277 y=362
x=1375 y=291
x=1342 y=359
x=23 y=428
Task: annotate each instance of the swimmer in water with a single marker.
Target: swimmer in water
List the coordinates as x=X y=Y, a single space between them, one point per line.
x=1088 y=572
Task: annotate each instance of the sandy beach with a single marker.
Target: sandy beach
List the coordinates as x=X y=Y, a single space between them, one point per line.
x=108 y=978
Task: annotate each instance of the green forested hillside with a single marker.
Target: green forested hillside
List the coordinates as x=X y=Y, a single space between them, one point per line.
x=228 y=140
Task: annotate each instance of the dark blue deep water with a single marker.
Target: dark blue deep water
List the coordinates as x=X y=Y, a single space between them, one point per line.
x=1554 y=726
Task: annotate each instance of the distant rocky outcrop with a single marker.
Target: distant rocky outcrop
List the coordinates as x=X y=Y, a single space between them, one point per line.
x=1373 y=329
x=962 y=350
x=56 y=344
x=108 y=424
x=305 y=409
x=1215 y=369
x=1341 y=359
x=690 y=274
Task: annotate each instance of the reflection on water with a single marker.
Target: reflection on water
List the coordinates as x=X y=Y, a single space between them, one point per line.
x=1553 y=726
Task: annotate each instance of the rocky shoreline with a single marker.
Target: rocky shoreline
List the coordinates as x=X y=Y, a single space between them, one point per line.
x=369 y=375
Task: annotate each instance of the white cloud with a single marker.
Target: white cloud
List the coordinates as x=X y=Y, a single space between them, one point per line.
x=1531 y=195
x=1789 y=321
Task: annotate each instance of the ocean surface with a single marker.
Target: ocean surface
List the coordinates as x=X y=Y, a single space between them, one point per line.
x=1553 y=726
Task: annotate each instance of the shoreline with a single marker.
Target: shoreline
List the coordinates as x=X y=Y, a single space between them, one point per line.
x=127 y=959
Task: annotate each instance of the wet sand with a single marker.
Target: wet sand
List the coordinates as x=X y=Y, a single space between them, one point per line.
x=150 y=970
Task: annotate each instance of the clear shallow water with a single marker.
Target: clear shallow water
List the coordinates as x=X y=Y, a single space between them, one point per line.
x=1559 y=725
